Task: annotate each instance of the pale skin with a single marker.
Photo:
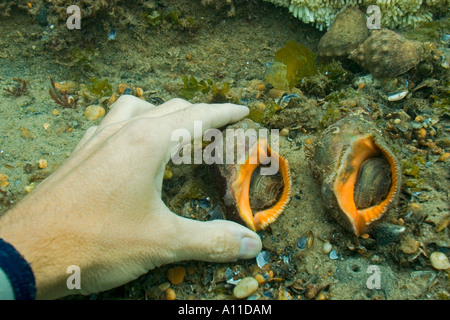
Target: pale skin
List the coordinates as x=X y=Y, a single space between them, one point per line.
x=102 y=209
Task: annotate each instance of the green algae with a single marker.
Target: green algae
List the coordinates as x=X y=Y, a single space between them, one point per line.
x=260 y=111
x=83 y=58
x=336 y=74
x=429 y=31
x=276 y=75
x=299 y=62
x=411 y=166
x=153 y=18
x=220 y=92
x=191 y=86
x=100 y=87
x=172 y=17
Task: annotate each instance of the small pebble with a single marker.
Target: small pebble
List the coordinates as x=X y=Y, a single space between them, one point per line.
x=176 y=274
x=421 y=133
x=42 y=164
x=3 y=180
x=284 y=132
x=122 y=87
x=327 y=247
x=321 y=296
x=260 y=278
x=415 y=208
x=113 y=98
x=140 y=93
x=94 y=112
x=245 y=288
x=445 y=157
x=164 y=286
x=170 y=294
x=439 y=261
x=29 y=187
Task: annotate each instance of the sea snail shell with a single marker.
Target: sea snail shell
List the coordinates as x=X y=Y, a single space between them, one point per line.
x=249 y=197
x=359 y=174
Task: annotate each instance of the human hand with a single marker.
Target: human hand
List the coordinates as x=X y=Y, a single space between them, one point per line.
x=102 y=209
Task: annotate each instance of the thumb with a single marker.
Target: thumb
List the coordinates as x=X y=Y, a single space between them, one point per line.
x=215 y=241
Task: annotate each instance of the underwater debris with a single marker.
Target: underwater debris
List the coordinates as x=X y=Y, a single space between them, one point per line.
x=61 y=98
x=262 y=259
x=112 y=35
x=20 y=88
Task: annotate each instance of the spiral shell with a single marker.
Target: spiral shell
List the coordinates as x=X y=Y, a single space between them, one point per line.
x=387 y=54
x=360 y=176
x=249 y=196
x=348 y=31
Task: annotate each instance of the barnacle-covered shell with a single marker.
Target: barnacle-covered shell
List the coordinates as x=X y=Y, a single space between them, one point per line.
x=348 y=31
x=387 y=54
x=249 y=196
x=360 y=176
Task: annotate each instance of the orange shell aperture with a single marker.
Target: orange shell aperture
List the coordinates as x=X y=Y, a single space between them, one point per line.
x=361 y=149
x=260 y=153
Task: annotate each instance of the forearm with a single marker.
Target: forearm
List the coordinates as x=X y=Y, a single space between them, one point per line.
x=43 y=246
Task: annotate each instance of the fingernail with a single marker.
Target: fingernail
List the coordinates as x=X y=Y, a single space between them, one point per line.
x=250 y=247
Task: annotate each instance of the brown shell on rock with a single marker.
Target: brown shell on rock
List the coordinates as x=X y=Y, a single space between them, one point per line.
x=348 y=31
x=387 y=54
x=359 y=174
